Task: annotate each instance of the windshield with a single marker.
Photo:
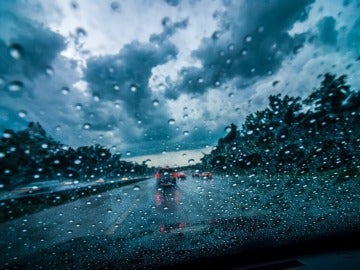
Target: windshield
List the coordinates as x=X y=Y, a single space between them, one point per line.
x=147 y=134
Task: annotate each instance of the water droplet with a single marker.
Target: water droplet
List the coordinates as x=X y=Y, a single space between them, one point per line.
x=136 y=188
x=96 y=98
x=247 y=39
x=228 y=129
x=250 y=132
x=77 y=161
x=78 y=106
x=171 y=121
x=86 y=126
x=244 y=52
x=133 y=88
x=128 y=153
x=186 y=132
x=81 y=33
x=115 y=6
x=15 y=86
x=109 y=210
x=216 y=35
x=165 y=21
x=275 y=83
x=49 y=71
x=185 y=116
x=261 y=29
x=2 y=155
x=15 y=51
x=231 y=94
x=65 y=91
x=200 y=80
x=22 y=113
x=44 y=146
x=155 y=102
x=148 y=161
x=116 y=87
x=191 y=161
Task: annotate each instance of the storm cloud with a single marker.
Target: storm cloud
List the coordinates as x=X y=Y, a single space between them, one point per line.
x=252 y=40
x=123 y=79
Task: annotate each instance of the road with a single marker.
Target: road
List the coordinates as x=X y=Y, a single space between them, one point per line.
x=139 y=225
x=120 y=213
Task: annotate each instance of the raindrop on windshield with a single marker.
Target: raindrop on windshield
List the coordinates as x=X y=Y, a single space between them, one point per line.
x=136 y=188
x=115 y=6
x=228 y=129
x=155 y=102
x=49 y=71
x=78 y=106
x=15 y=51
x=171 y=121
x=81 y=33
x=86 y=126
x=22 y=114
x=191 y=161
x=116 y=87
x=248 y=39
x=185 y=133
x=148 y=161
x=260 y=29
x=133 y=88
x=128 y=153
x=77 y=161
x=15 y=86
x=65 y=91
x=244 y=52
x=216 y=35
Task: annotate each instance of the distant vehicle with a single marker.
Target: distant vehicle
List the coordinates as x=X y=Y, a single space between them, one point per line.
x=196 y=173
x=181 y=175
x=166 y=177
x=206 y=175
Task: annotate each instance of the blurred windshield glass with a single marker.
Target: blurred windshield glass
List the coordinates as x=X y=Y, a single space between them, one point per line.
x=251 y=107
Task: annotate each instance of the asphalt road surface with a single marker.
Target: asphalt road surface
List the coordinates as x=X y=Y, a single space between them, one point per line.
x=122 y=212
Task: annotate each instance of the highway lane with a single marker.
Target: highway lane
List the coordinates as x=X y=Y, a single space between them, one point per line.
x=123 y=212
x=118 y=212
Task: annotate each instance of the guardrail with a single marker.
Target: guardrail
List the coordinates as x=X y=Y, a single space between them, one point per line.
x=17 y=206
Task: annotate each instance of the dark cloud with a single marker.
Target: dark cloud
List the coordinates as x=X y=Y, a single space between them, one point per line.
x=27 y=50
x=327 y=31
x=124 y=78
x=252 y=40
x=353 y=39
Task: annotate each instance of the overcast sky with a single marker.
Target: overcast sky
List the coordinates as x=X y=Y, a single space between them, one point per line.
x=147 y=77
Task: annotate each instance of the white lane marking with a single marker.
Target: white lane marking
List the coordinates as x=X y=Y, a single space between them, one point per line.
x=122 y=218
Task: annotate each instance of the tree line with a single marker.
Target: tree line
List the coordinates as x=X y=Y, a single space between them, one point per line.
x=321 y=132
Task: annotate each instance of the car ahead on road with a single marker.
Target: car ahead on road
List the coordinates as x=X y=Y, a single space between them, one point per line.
x=181 y=175
x=166 y=177
x=196 y=173
x=206 y=175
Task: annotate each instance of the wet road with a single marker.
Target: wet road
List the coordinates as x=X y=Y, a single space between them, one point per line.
x=120 y=212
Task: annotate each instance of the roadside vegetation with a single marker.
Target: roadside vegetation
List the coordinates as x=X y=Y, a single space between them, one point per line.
x=293 y=136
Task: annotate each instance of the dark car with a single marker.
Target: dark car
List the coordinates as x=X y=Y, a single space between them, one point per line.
x=206 y=175
x=181 y=175
x=166 y=177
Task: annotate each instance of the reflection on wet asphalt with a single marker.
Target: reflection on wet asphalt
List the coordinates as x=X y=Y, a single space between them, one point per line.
x=119 y=212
